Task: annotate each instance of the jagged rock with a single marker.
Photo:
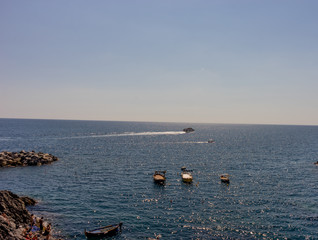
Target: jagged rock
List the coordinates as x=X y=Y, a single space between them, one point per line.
x=28 y=201
x=15 y=219
x=23 y=158
x=13 y=216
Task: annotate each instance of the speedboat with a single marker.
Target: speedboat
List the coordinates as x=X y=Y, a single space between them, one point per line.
x=211 y=141
x=188 y=130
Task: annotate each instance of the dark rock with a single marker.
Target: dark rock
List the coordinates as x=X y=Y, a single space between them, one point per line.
x=28 y=201
x=23 y=158
x=15 y=219
x=14 y=216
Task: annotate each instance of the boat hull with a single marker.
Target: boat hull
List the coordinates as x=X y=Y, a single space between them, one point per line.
x=159 y=179
x=107 y=231
x=225 y=178
x=188 y=130
x=187 y=180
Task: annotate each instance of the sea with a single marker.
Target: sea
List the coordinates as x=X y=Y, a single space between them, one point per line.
x=105 y=176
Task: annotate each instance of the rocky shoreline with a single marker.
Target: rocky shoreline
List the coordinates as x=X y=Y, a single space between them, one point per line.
x=15 y=220
x=23 y=158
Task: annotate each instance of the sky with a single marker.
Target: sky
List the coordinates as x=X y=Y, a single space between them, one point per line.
x=195 y=61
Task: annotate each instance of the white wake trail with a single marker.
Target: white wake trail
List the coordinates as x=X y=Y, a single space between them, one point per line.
x=140 y=134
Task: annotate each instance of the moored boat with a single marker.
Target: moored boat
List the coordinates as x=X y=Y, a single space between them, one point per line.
x=106 y=231
x=186 y=176
x=225 y=178
x=159 y=177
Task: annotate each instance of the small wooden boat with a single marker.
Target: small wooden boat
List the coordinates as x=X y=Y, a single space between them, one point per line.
x=106 y=231
x=186 y=176
x=159 y=177
x=225 y=178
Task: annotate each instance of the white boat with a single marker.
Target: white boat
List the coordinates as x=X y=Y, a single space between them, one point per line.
x=186 y=176
x=211 y=141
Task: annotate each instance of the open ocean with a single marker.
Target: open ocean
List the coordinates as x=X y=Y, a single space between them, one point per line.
x=104 y=176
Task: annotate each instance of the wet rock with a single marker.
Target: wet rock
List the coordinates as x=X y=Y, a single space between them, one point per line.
x=15 y=219
x=28 y=201
x=14 y=216
x=23 y=158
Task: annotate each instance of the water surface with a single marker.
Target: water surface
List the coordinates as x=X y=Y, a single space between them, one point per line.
x=104 y=176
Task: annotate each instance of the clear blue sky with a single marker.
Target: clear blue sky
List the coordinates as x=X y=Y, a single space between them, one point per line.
x=210 y=61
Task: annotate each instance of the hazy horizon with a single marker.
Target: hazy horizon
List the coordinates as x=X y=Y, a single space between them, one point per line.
x=187 y=123
x=231 y=62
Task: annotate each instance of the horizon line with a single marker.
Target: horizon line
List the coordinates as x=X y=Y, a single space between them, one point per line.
x=59 y=119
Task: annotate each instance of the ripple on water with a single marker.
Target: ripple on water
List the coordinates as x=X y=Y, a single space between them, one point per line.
x=106 y=177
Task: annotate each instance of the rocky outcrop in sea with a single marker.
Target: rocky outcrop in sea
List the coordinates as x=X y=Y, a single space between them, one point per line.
x=23 y=158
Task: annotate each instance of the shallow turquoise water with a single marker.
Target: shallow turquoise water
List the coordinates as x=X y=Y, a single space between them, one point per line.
x=104 y=176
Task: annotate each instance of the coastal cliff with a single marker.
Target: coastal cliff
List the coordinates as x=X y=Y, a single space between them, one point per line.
x=23 y=158
x=15 y=220
x=14 y=217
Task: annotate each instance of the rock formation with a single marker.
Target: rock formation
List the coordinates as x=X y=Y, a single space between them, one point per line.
x=23 y=158
x=14 y=217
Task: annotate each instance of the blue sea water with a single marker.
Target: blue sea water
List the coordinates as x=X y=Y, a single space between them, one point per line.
x=104 y=176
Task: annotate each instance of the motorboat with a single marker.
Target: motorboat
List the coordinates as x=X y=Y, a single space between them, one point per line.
x=159 y=177
x=211 y=141
x=188 y=130
x=186 y=176
x=225 y=178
